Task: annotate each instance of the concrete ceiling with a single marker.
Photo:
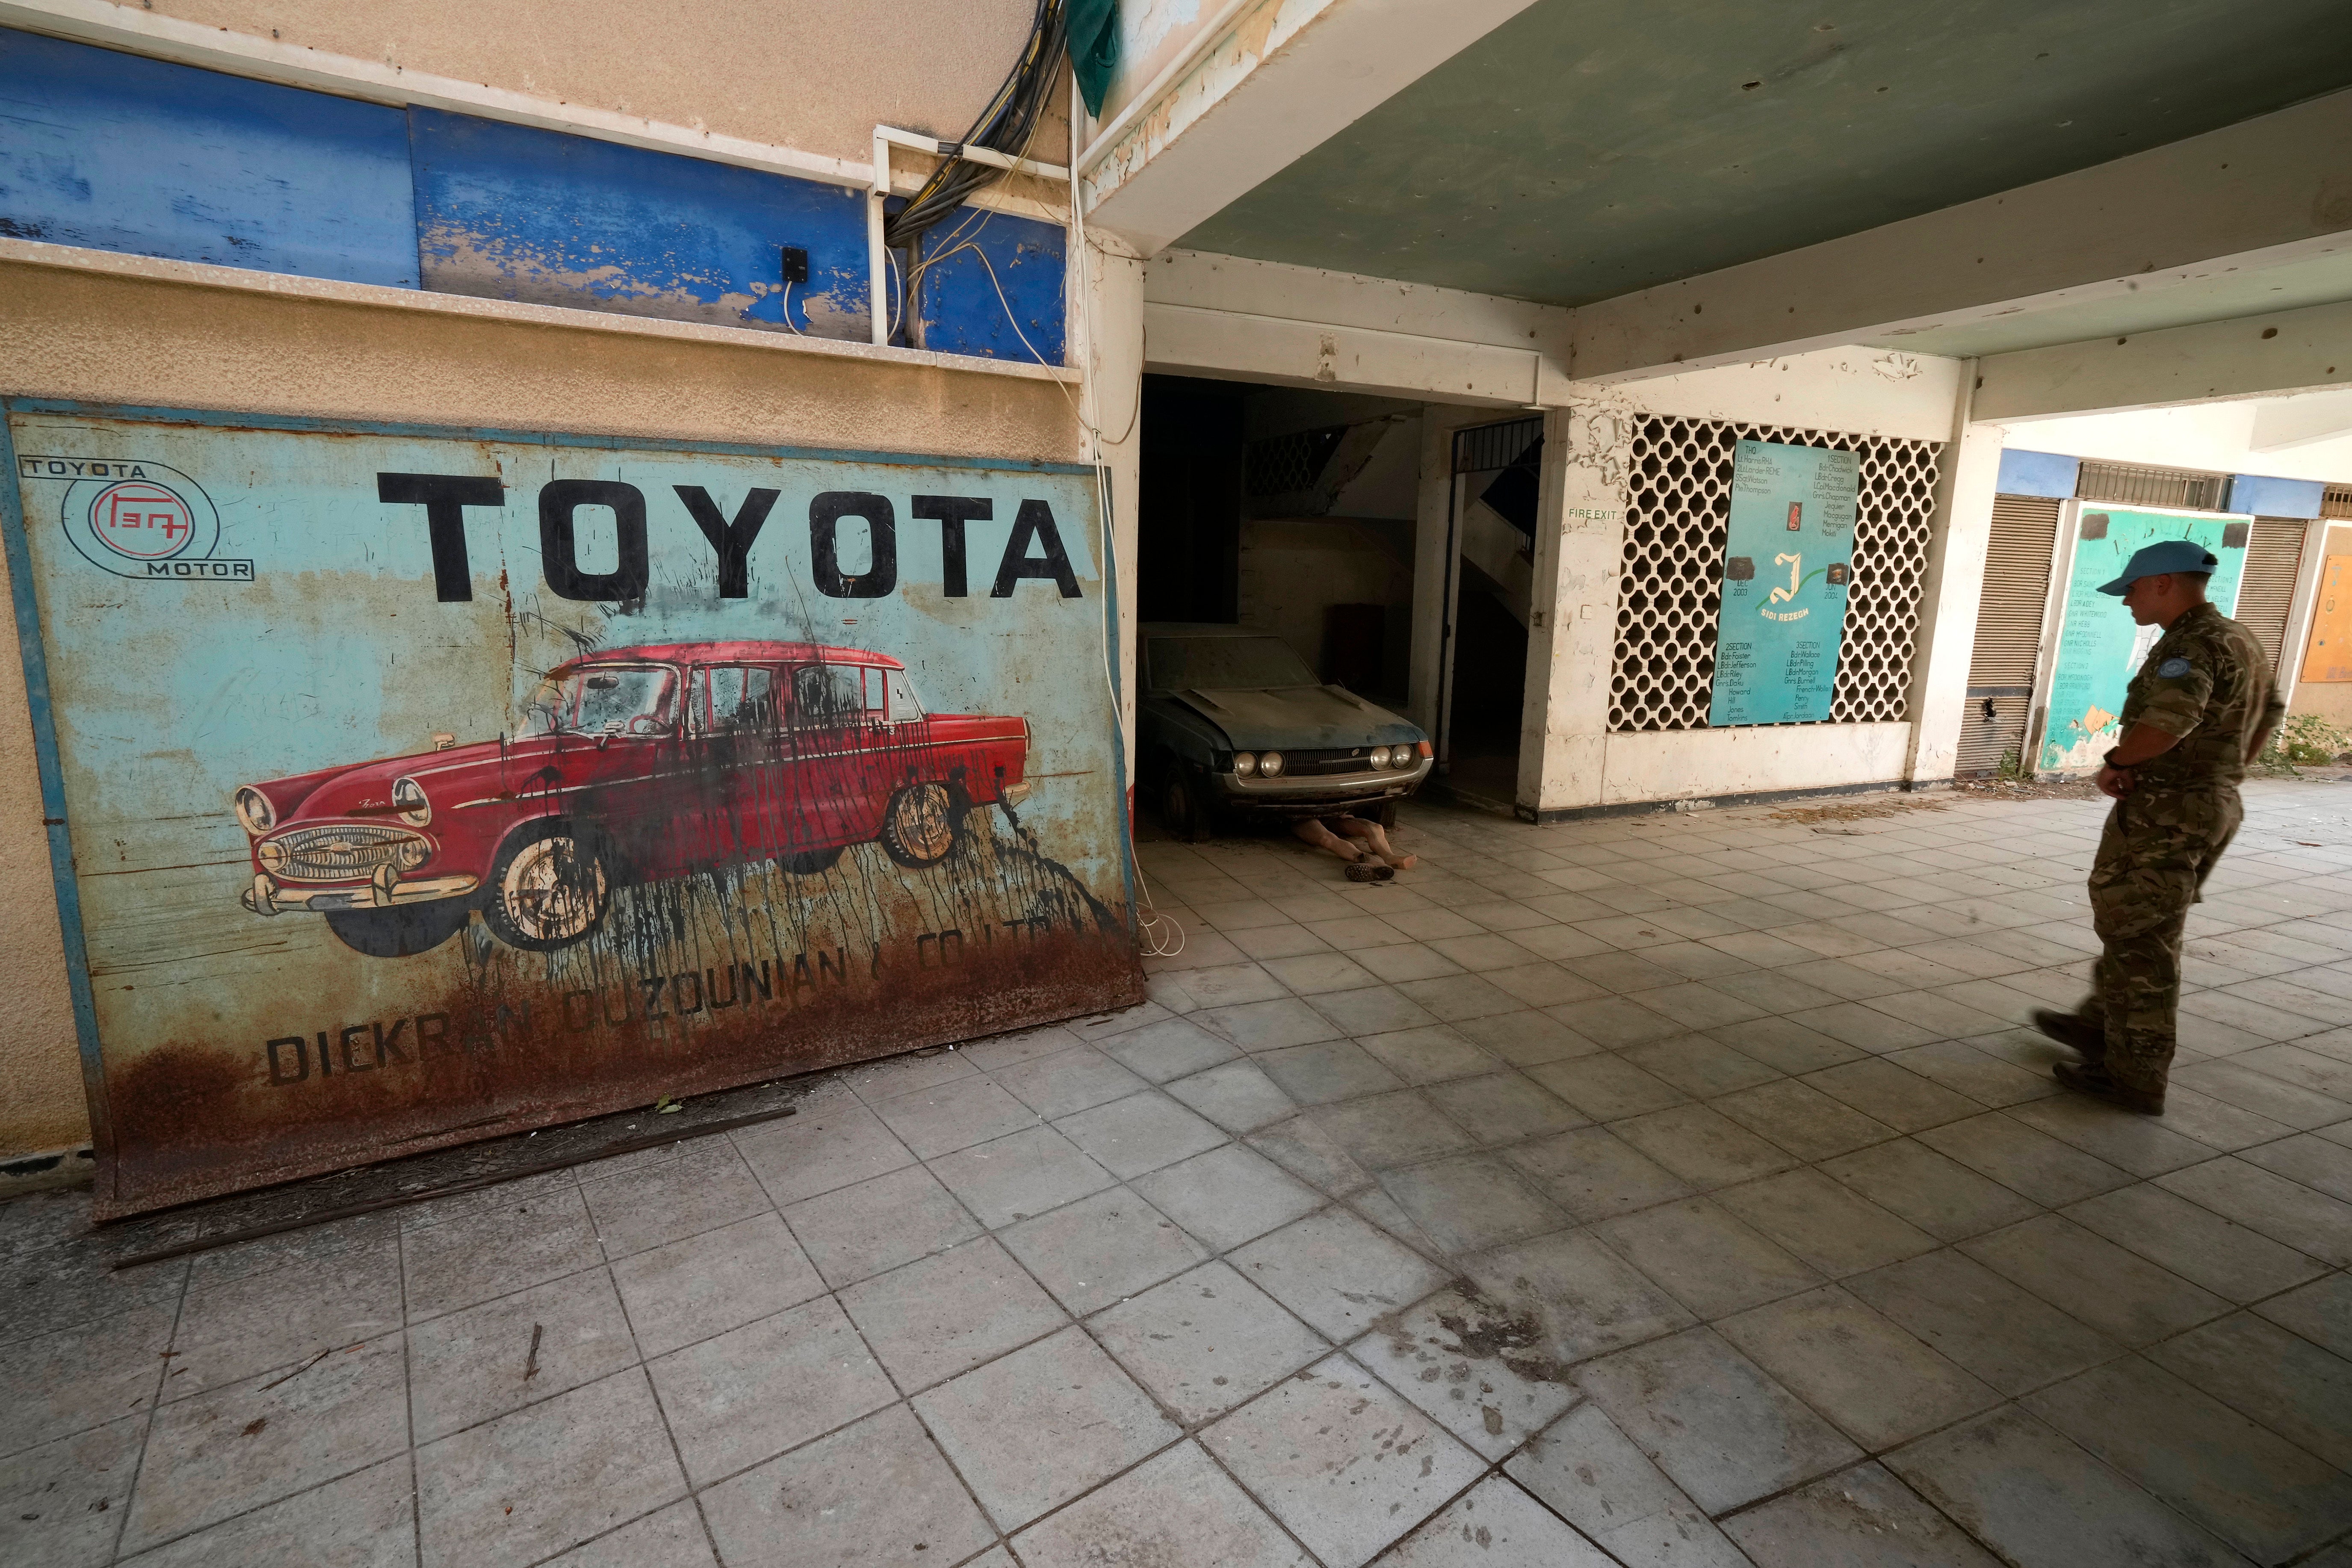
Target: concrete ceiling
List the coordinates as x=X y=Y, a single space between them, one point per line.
x=1587 y=149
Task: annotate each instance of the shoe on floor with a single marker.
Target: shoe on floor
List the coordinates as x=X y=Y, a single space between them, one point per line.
x=2091 y=1079
x=1369 y=871
x=2073 y=1031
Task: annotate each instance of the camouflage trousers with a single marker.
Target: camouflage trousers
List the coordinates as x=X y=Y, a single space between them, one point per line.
x=2158 y=847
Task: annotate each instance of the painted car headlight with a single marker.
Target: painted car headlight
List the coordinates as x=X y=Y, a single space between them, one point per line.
x=271 y=856
x=254 y=812
x=1244 y=764
x=408 y=799
x=1269 y=765
x=1379 y=757
x=410 y=853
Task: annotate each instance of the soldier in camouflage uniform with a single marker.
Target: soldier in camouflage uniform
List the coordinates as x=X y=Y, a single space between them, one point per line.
x=2202 y=705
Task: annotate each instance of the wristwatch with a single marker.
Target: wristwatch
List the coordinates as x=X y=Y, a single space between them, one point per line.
x=2110 y=760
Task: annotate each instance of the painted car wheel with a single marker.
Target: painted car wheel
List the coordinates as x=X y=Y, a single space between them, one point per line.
x=549 y=889
x=920 y=827
x=401 y=933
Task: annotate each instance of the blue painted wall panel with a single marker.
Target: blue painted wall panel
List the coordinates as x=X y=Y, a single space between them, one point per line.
x=2265 y=497
x=962 y=310
x=507 y=212
x=120 y=152
x=2038 y=474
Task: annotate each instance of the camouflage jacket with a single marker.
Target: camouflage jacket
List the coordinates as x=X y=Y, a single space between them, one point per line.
x=2207 y=681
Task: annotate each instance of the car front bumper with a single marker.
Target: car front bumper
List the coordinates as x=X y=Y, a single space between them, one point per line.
x=1317 y=795
x=268 y=896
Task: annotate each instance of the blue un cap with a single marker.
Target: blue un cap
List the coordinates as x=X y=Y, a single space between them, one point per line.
x=2168 y=555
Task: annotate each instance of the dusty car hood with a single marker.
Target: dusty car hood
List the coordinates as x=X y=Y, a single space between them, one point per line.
x=1308 y=718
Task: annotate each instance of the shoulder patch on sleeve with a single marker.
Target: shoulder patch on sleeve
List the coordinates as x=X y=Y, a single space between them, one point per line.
x=2173 y=669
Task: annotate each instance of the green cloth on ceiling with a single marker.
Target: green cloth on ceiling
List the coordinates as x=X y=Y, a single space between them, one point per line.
x=1094 y=48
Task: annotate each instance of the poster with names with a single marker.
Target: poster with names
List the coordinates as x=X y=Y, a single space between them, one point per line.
x=1787 y=574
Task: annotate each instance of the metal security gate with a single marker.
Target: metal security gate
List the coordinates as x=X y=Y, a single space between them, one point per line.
x=2266 y=592
x=2008 y=632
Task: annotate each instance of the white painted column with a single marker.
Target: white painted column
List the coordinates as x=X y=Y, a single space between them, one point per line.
x=1950 y=599
x=1572 y=607
x=1434 y=588
x=1111 y=354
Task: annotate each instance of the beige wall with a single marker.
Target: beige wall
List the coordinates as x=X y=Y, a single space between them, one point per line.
x=813 y=75
x=108 y=337
x=2330 y=700
x=1293 y=570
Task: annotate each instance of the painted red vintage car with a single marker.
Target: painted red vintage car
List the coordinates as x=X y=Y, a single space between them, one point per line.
x=639 y=763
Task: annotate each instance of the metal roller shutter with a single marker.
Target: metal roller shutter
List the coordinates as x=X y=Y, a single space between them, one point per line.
x=2008 y=631
x=2266 y=591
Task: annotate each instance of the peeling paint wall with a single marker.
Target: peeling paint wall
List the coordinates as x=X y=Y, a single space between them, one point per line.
x=814 y=76
x=114 y=339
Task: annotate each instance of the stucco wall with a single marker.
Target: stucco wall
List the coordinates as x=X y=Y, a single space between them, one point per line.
x=2330 y=700
x=108 y=337
x=815 y=75
x=1294 y=570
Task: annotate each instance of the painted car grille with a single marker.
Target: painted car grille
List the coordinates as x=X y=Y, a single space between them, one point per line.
x=338 y=852
x=1346 y=760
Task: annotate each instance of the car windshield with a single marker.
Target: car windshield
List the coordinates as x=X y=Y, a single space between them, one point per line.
x=611 y=700
x=1211 y=664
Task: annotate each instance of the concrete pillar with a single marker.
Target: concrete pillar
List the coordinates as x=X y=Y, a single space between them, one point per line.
x=1572 y=614
x=1434 y=587
x=1950 y=599
x=1110 y=351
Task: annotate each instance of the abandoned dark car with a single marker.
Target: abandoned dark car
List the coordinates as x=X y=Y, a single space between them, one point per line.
x=1234 y=722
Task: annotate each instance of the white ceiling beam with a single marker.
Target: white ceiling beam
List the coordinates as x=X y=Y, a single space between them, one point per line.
x=1271 y=82
x=1205 y=281
x=1182 y=340
x=2308 y=350
x=2264 y=193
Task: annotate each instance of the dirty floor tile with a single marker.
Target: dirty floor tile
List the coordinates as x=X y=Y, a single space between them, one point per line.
x=532 y=1483
x=932 y=1319
x=1337 y=1272
x=1079 y=1417
x=1854 y=1519
x=1206 y=1341
x=1713 y=1420
x=1478 y=1367
x=1880 y=1385
x=2042 y=1502
x=1341 y=1460
x=1175 y=1511
x=874 y=1493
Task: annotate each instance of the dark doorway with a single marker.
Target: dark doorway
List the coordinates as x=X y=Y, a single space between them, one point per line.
x=1490 y=685
x=1496 y=474
x=1188 y=517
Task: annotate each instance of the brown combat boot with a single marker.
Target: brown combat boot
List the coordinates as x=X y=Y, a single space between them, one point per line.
x=2092 y=1078
x=2073 y=1031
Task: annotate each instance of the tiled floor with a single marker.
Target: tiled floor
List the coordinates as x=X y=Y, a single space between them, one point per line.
x=1672 y=1192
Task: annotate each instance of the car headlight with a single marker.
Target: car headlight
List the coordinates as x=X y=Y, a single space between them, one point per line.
x=1379 y=757
x=1402 y=757
x=1269 y=765
x=271 y=856
x=408 y=799
x=254 y=812
x=1244 y=764
x=410 y=853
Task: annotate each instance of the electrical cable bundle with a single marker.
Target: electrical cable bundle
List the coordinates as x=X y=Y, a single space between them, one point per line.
x=1005 y=126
